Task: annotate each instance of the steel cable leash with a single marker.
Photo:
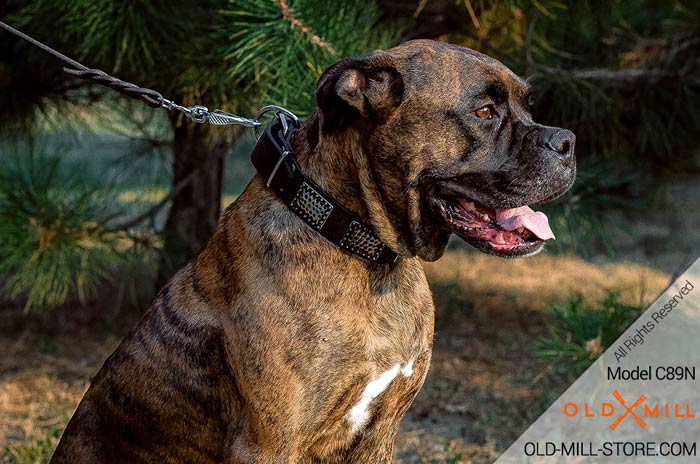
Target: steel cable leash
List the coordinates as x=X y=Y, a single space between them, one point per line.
x=197 y=113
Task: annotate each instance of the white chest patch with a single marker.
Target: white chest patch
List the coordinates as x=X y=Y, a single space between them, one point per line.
x=359 y=414
x=407 y=370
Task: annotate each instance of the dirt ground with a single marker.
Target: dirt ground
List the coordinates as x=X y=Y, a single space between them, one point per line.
x=484 y=388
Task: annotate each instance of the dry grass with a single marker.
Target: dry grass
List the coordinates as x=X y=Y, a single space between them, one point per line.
x=532 y=282
x=41 y=381
x=483 y=390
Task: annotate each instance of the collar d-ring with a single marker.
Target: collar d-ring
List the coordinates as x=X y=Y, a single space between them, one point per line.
x=277 y=110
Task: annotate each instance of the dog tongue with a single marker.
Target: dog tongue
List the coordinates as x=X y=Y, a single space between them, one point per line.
x=534 y=221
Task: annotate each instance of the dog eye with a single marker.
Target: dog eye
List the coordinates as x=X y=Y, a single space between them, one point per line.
x=485 y=112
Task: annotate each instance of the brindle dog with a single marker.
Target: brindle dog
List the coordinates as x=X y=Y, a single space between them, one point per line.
x=275 y=346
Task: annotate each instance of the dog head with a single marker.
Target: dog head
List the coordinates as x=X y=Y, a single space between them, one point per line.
x=451 y=146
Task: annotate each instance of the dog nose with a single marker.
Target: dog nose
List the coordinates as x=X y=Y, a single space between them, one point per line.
x=561 y=141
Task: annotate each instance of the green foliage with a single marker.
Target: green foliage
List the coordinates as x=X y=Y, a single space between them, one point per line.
x=650 y=117
x=138 y=40
x=578 y=333
x=34 y=452
x=168 y=46
x=277 y=50
x=123 y=33
x=53 y=237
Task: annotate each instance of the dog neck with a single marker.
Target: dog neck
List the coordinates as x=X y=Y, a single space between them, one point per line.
x=337 y=163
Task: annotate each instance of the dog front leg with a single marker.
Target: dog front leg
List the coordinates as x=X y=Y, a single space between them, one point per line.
x=245 y=451
x=376 y=444
x=265 y=431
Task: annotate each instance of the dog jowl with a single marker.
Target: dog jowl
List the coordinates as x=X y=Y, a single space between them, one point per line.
x=274 y=345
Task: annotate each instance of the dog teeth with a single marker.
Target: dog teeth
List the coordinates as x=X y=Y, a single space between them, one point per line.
x=520 y=230
x=470 y=206
x=485 y=217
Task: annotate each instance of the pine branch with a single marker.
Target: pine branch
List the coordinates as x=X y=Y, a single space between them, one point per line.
x=472 y=14
x=155 y=209
x=528 y=41
x=609 y=74
x=296 y=23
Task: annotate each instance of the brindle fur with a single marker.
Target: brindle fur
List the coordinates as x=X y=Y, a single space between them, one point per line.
x=257 y=349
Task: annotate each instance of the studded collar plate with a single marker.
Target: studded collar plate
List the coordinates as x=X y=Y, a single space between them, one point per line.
x=274 y=161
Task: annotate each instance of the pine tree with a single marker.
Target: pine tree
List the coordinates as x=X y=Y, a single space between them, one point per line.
x=233 y=55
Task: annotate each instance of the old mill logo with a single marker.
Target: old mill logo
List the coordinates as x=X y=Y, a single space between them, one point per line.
x=637 y=411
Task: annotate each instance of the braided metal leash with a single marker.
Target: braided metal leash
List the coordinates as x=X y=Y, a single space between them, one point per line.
x=197 y=113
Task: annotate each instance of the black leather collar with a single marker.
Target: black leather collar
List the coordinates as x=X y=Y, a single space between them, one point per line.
x=273 y=158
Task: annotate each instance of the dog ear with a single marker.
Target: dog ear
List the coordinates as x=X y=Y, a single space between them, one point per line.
x=357 y=91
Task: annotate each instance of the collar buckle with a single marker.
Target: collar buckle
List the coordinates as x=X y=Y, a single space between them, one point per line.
x=284 y=154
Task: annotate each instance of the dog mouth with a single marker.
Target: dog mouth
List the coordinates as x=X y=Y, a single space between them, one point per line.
x=507 y=232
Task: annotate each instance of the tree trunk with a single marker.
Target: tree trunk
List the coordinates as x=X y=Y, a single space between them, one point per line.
x=198 y=159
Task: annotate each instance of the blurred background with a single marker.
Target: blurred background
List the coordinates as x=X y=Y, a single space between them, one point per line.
x=102 y=197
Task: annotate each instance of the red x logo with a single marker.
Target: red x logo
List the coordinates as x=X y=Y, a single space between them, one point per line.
x=628 y=411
